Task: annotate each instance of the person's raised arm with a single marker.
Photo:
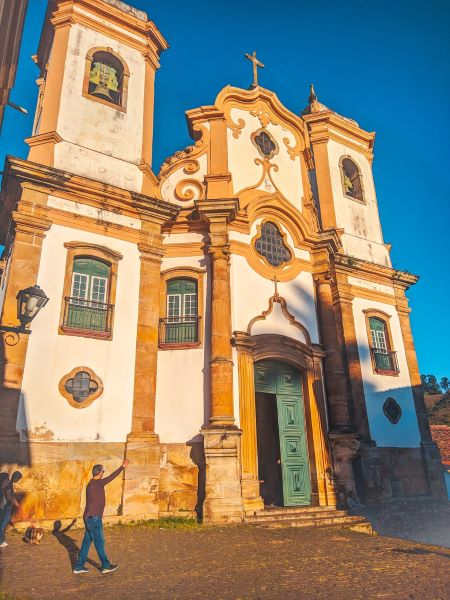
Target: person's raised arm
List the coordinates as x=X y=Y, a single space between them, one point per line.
x=10 y=497
x=114 y=474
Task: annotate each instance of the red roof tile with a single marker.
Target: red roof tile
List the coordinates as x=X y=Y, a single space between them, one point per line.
x=441 y=435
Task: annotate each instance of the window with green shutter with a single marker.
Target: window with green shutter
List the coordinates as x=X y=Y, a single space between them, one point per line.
x=181 y=323
x=385 y=360
x=88 y=306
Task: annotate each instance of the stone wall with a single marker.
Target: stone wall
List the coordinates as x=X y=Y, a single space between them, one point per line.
x=393 y=473
x=55 y=475
x=181 y=478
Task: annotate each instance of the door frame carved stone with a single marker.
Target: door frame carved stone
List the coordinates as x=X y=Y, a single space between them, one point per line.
x=308 y=360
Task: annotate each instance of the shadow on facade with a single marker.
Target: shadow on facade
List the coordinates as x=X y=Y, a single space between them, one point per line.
x=14 y=454
x=197 y=455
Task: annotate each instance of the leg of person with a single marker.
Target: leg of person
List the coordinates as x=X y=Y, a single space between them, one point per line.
x=99 y=542
x=5 y=517
x=83 y=554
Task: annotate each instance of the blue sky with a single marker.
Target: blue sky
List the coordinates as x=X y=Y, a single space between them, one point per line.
x=382 y=63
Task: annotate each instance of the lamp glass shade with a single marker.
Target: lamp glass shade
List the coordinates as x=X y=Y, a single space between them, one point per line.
x=29 y=303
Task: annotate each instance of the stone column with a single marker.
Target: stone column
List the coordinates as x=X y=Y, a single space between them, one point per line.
x=344 y=440
x=343 y=304
x=141 y=480
x=222 y=439
x=430 y=451
x=336 y=381
x=247 y=414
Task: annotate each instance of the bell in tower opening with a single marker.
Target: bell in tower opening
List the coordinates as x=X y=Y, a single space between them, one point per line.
x=106 y=77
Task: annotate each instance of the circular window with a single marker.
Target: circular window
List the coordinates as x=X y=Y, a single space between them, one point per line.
x=392 y=410
x=81 y=387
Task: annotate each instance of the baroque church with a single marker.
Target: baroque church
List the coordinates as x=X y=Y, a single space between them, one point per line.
x=231 y=325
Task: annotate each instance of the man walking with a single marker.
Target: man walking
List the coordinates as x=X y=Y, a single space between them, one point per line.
x=7 y=501
x=93 y=513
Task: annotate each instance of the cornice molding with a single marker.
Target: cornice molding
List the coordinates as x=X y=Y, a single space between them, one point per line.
x=90 y=191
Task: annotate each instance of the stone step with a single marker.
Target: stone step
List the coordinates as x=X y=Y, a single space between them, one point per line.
x=290 y=510
x=346 y=522
x=307 y=516
x=271 y=513
x=293 y=516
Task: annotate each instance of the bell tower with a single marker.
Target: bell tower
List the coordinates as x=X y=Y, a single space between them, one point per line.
x=94 y=116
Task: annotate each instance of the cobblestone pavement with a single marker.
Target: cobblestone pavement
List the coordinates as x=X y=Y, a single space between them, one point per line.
x=230 y=563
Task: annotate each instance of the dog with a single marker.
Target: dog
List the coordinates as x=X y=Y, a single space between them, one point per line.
x=33 y=535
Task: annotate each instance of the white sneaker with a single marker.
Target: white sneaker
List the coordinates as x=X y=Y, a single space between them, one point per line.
x=3 y=544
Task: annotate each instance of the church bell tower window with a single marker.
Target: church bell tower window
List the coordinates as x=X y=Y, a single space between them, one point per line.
x=270 y=245
x=106 y=78
x=351 y=179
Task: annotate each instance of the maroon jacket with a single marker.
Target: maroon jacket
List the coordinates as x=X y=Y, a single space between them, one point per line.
x=95 y=495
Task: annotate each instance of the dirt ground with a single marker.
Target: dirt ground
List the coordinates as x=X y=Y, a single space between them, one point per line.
x=238 y=562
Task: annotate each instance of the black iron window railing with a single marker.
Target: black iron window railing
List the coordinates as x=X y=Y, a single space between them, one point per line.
x=88 y=314
x=384 y=361
x=179 y=330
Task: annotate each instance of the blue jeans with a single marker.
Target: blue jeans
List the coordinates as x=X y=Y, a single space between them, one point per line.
x=93 y=533
x=5 y=517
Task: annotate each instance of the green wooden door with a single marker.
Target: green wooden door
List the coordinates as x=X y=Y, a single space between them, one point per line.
x=285 y=383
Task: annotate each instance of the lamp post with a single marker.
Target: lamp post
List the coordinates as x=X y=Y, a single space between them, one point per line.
x=29 y=303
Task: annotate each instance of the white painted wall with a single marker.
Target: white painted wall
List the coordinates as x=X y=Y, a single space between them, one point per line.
x=182 y=389
x=363 y=237
x=242 y=154
x=100 y=142
x=51 y=356
x=377 y=388
x=169 y=185
x=250 y=297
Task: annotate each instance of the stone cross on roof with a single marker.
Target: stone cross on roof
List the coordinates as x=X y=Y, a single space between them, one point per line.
x=256 y=64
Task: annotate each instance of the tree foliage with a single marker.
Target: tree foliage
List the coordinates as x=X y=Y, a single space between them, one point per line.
x=432 y=386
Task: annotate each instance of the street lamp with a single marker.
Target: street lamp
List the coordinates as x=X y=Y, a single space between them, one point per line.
x=29 y=303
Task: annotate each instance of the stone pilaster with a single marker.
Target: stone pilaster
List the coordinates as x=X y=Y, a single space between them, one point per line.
x=143 y=450
x=430 y=452
x=247 y=414
x=323 y=460
x=343 y=305
x=30 y=222
x=336 y=381
x=345 y=448
x=222 y=439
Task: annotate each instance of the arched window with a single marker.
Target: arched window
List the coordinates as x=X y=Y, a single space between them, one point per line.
x=351 y=179
x=89 y=290
x=181 y=308
x=106 y=78
x=87 y=305
x=384 y=358
x=181 y=323
x=271 y=245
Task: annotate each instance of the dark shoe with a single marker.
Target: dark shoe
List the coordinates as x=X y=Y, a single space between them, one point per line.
x=82 y=570
x=110 y=569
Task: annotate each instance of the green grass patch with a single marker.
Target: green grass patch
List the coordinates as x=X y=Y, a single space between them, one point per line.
x=164 y=523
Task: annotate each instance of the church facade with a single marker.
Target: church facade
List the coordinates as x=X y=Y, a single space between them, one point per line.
x=233 y=325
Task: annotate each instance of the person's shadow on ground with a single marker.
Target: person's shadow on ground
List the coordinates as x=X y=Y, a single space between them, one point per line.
x=68 y=543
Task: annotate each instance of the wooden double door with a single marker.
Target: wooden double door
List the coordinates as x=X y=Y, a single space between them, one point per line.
x=283 y=462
